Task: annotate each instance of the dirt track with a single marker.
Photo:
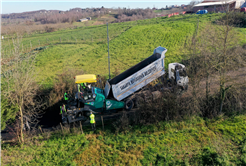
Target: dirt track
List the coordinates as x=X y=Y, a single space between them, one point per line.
x=237 y=77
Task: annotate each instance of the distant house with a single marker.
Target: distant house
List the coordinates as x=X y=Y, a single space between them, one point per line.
x=82 y=20
x=218 y=5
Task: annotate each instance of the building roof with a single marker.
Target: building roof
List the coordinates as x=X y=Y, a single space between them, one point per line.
x=214 y=3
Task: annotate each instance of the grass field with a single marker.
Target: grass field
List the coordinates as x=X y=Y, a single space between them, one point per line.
x=130 y=42
x=196 y=141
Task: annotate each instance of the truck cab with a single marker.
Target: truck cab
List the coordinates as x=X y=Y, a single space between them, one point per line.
x=177 y=75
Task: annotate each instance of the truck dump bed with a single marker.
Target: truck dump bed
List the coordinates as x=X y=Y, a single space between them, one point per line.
x=134 y=69
x=137 y=76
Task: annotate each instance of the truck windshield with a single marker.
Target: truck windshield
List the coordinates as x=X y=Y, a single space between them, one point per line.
x=182 y=73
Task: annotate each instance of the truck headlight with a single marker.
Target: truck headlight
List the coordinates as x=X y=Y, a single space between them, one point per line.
x=86 y=97
x=94 y=96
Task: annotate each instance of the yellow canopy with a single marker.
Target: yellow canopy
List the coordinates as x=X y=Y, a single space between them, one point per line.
x=89 y=78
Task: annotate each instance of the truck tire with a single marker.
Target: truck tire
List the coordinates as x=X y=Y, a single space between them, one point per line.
x=129 y=104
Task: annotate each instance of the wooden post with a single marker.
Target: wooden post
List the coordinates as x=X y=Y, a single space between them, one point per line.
x=41 y=129
x=61 y=128
x=39 y=42
x=102 y=122
x=81 y=127
x=60 y=39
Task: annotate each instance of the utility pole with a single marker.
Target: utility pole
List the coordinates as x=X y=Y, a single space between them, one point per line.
x=108 y=54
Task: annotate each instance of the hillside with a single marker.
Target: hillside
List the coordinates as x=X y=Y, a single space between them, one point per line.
x=130 y=42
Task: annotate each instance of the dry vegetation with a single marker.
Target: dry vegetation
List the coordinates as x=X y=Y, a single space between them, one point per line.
x=52 y=20
x=23 y=29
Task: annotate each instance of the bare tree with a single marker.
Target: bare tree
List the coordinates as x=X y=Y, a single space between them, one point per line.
x=226 y=55
x=20 y=86
x=195 y=68
x=192 y=3
x=216 y=51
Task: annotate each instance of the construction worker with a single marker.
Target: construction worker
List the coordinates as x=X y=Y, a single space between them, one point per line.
x=78 y=87
x=63 y=109
x=66 y=97
x=83 y=85
x=60 y=110
x=92 y=121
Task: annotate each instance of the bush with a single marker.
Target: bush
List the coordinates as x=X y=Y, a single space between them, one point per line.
x=209 y=156
x=237 y=19
x=49 y=29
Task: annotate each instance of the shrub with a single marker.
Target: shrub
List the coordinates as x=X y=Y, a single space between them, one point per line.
x=49 y=29
x=237 y=19
x=208 y=156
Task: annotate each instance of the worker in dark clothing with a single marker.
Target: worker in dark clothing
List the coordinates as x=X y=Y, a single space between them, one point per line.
x=92 y=121
x=63 y=111
x=66 y=97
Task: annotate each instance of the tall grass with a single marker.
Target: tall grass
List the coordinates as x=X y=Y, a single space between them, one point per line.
x=195 y=141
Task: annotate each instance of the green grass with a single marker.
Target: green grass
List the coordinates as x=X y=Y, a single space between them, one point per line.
x=85 y=48
x=157 y=11
x=196 y=141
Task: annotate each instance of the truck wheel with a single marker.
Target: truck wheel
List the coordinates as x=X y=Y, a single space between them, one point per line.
x=129 y=105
